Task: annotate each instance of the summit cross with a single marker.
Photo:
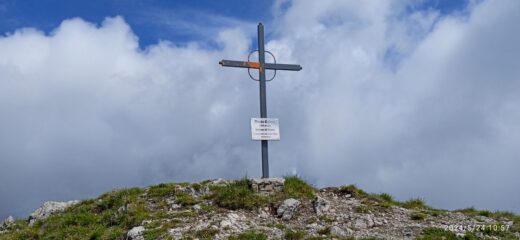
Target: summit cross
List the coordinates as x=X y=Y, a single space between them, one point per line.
x=261 y=65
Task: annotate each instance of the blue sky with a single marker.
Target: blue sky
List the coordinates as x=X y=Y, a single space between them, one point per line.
x=141 y=15
x=413 y=98
x=146 y=17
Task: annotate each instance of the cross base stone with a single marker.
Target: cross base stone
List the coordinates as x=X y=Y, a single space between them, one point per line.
x=267 y=185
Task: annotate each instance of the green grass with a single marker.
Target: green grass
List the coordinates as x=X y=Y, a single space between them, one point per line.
x=185 y=199
x=185 y=214
x=353 y=190
x=161 y=190
x=418 y=216
x=152 y=234
x=196 y=186
x=294 y=235
x=90 y=219
x=294 y=187
x=207 y=233
x=415 y=203
x=386 y=197
x=237 y=195
x=250 y=235
x=437 y=233
x=324 y=231
x=364 y=209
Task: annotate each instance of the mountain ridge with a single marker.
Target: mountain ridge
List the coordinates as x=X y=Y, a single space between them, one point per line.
x=273 y=208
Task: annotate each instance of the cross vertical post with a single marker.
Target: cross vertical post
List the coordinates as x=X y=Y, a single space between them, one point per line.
x=263 y=100
x=261 y=65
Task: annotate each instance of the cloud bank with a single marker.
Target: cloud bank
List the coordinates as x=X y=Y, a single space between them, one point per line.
x=410 y=102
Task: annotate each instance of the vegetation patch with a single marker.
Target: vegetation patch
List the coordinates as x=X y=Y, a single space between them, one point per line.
x=353 y=190
x=185 y=199
x=415 y=203
x=364 y=209
x=185 y=214
x=161 y=190
x=437 y=233
x=249 y=235
x=207 y=233
x=418 y=216
x=294 y=235
x=324 y=231
x=108 y=217
x=237 y=195
x=294 y=187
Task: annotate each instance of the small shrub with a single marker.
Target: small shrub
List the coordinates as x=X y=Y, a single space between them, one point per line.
x=415 y=203
x=418 y=216
x=386 y=197
x=207 y=233
x=279 y=226
x=325 y=219
x=236 y=195
x=250 y=235
x=324 y=231
x=294 y=187
x=185 y=214
x=207 y=208
x=485 y=213
x=185 y=199
x=196 y=186
x=436 y=233
x=435 y=212
x=471 y=211
x=294 y=235
x=503 y=215
x=364 y=209
x=161 y=190
x=111 y=200
x=353 y=190
x=154 y=233
x=384 y=200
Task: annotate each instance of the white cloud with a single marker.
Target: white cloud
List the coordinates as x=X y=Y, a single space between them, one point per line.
x=432 y=127
x=411 y=103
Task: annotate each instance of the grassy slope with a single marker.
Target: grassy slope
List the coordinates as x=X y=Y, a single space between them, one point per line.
x=112 y=214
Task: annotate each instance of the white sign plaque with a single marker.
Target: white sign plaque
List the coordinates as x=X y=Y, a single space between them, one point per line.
x=265 y=129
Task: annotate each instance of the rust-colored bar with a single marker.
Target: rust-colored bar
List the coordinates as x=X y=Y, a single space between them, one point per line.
x=231 y=63
x=255 y=65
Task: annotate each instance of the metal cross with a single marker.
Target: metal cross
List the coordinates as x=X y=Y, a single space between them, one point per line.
x=262 y=66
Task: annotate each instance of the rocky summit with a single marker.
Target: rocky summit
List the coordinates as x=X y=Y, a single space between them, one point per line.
x=275 y=208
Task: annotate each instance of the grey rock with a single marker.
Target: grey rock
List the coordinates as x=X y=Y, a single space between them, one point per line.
x=288 y=208
x=219 y=181
x=264 y=213
x=7 y=223
x=48 y=209
x=235 y=222
x=360 y=224
x=321 y=206
x=267 y=185
x=135 y=233
x=339 y=232
x=177 y=233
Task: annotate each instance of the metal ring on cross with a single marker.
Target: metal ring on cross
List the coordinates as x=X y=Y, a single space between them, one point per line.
x=249 y=69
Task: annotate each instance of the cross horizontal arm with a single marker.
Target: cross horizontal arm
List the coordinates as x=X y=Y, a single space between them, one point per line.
x=279 y=66
x=256 y=65
x=241 y=64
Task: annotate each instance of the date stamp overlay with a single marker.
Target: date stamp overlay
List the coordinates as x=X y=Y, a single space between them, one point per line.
x=478 y=227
